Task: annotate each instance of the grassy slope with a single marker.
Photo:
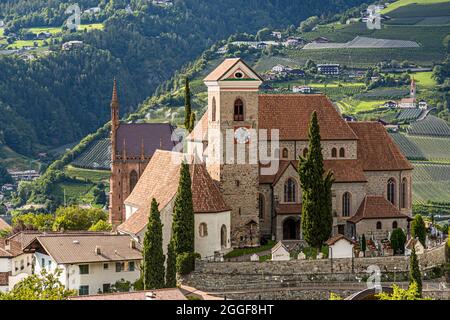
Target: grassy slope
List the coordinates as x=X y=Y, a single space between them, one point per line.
x=402 y=3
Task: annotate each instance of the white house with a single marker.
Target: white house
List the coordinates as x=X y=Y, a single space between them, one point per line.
x=423 y=105
x=340 y=247
x=89 y=263
x=301 y=89
x=280 y=252
x=14 y=264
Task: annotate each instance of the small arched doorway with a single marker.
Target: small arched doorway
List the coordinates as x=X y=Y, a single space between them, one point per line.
x=291 y=229
x=223 y=236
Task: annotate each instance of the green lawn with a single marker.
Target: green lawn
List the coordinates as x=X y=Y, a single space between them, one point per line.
x=424 y=79
x=91 y=26
x=86 y=174
x=51 y=30
x=402 y=3
x=240 y=252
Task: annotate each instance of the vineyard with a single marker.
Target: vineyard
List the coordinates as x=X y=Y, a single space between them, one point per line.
x=96 y=156
x=430 y=126
x=431 y=182
x=423 y=148
x=409 y=115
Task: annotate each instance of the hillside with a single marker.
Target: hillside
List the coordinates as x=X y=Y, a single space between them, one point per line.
x=141 y=48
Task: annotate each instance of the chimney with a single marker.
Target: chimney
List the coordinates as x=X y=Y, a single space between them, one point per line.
x=97 y=250
x=150 y=295
x=7 y=245
x=133 y=244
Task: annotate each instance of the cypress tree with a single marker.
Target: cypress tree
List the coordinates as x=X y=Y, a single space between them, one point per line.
x=317 y=219
x=363 y=244
x=418 y=229
x=187 y=104
x=183 y=214
x=414 y=271
x=192 y=122
x=153 y=257
x=171 y=270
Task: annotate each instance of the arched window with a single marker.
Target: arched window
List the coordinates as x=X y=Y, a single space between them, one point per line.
x=334 y=153
x=290 y=190
x=133 y=180
x=238 y=110
x=285 y=153
x=346 y=204
x=391 y=190
x=261 y=206
x=203 y=230
x=379 y=226
x=342 y=153
x=404 y=194
x=213 y=118
x=305 y=152
x=394 y=225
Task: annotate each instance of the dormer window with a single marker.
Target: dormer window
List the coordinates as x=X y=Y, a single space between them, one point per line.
x=238 y=110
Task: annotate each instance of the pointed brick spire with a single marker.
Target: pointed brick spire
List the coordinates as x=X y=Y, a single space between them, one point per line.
x=115 y=106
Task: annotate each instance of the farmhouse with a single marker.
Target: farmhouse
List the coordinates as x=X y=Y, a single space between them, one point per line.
x=89 y=263
x=14 y=263
x=240 y=199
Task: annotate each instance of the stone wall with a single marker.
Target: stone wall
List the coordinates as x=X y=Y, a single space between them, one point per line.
x=279 y=275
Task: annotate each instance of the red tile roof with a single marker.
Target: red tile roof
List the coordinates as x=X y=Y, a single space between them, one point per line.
x=376 y=207
x=291 y=113
x=349 y=170
x=376 y=149
x=160 y=181
x=336 y=238
x=14 y=250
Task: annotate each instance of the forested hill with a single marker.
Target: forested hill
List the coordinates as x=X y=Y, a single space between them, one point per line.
x=63 y=96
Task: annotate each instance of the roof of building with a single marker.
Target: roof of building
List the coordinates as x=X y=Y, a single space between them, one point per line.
x=159 y=294
x=81 y=248
x=160 y=181
x=290 y=114
x=376 y=207
x=408 y=100
x=224 y=67
x=348 y=170
x=338 y=237
x=279 y=245
x=4 y=225
x=151 y=136
x=27 y=236
x=200 y=132
x=376 y=149
x=14 y=250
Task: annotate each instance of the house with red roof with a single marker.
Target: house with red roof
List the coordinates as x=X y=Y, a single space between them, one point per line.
x=243 y=157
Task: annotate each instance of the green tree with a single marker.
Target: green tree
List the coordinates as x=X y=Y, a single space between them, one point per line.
x=153 y=256
x=192 y=122
x=398 y=240
x=187 y=104
x=414 y=272
x=412 y=293
x=99 y=195
x=363 y=244
x=418 y=229
x=101 y=225
x=183 y=214
x=43 y=286
x=171 y=270
x=317 y=219
x=5 y=177
x=76 y=218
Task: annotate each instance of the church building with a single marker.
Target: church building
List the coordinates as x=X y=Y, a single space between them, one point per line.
x=132 y=146
x=237 y=202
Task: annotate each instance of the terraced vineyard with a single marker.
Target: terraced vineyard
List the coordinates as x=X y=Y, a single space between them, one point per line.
x=430 y=126
x=96 y=156
x=431 y=182
x=409 y=114
x=435 y=149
